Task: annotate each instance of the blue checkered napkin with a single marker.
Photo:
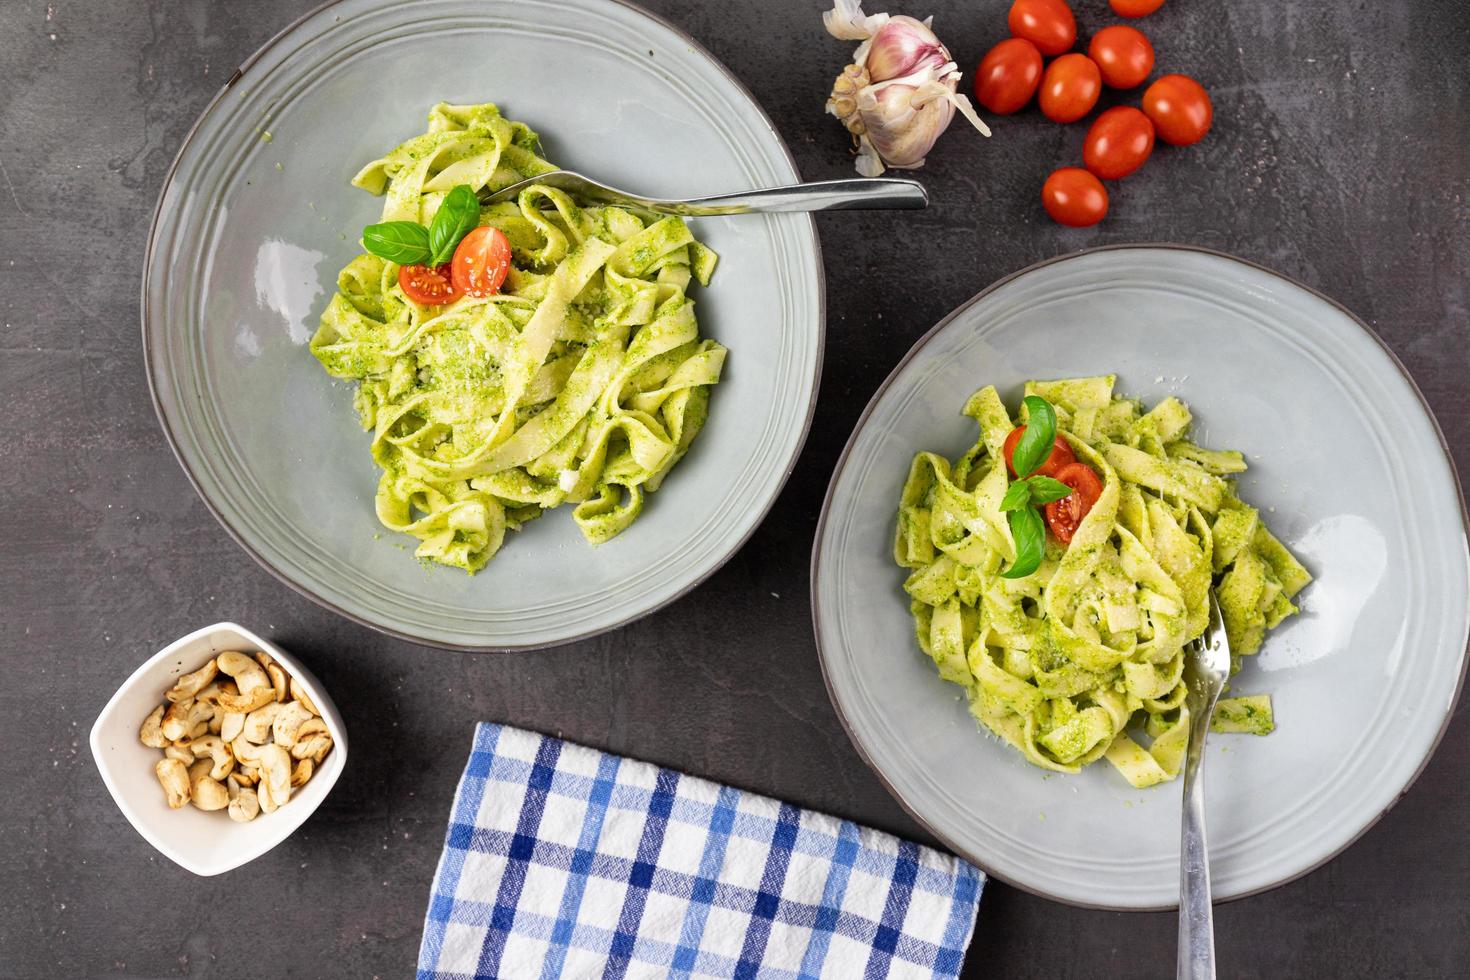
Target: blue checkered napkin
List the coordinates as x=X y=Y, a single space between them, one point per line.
x=562 y=861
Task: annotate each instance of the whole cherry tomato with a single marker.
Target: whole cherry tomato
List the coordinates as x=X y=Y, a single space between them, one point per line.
x=1123 y=55
x=1061 y=454
x=1069 y=88
x=1075 y=198
x=1065 y=515
x=1180 y=109
x=1048 y=24
x=1118 y=142
x=1007 y=76
x=428 y=285
x=1135 y=8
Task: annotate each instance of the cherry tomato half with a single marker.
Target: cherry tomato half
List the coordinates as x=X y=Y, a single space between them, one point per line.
x=428 y=286
x=1074 y=197
x=481 y=262
x=1118 y=142
x=1180 y=109
x=1123 y=54
x=1048 y=24
x=1061 y=454
x=1065 y=515
x=1007 y=76
x=1135 y=8
x=1069 y=88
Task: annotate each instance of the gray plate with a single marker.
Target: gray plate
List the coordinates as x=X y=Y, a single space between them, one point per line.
x=250 y=233
x=1350 y=470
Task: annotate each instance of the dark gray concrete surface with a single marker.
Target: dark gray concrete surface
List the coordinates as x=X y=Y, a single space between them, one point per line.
x=1340 y=155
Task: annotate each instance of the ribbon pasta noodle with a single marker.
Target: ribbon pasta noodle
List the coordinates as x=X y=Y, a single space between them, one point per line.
x=1062 y=663
x=582 y=382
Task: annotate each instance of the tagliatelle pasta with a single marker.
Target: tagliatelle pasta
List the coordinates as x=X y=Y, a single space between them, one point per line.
x=582 y=382
x=1062 y=663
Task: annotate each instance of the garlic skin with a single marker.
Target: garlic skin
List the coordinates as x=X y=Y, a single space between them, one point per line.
x=900 y=92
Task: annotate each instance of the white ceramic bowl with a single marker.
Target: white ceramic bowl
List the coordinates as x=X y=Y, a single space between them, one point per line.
x=204 y=843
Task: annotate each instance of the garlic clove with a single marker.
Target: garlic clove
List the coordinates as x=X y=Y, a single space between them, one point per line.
x=901 y=47
x=904 y=122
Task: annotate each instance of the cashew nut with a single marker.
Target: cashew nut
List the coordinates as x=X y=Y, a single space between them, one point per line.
x=175 y=780
x=190 y=684
x=299 y=693
x=207 y=793
x=151 y=734
x=258 y=723
x=245 y=807
x=301 y=773
x=263 y=796
x=274 y=672
x=254 y=685
x=313 y=741
x=181 y=751
x=218 y=752
x=231 y=724
x=275 y=773
x=247 y=752
x=210 y=692
x=182 y=716
x=245 y=775
x=289 y=721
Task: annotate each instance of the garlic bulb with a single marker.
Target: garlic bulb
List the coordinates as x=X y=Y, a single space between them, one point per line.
x=898 y=94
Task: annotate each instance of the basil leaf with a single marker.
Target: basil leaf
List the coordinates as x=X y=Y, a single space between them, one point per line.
x=1037 y=441
x=457 y=216
x=1044 y=490
x=1030 y=535
x=403 y=242
x=1018 y=495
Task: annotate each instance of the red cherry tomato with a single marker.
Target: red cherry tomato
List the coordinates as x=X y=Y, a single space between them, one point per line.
x=1123 y=54
x=481 y=262
x=1065 y=515
x=1070 y=88
x=1048 y=24
x=1061 y=454
x=1074 y=197
x=1007 y=76
x=1118 y=142
x=428 y=286
x=1135 y=8
x=1180 y=109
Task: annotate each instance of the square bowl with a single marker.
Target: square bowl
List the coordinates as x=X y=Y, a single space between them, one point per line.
x=206 y=843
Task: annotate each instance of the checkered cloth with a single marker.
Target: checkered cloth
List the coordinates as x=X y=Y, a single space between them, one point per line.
x=562 y=861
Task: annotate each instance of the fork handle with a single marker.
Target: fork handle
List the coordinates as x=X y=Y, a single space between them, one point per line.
x=858 y=193
x=1196 y=915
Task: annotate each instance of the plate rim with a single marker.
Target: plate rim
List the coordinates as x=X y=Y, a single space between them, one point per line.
x=841 y=466
x=301 y=588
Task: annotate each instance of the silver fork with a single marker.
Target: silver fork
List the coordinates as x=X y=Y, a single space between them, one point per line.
x=1205 y=671
x=855 y=194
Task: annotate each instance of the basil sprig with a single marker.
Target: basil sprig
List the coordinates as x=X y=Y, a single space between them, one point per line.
x=456 y=218
x=1028 y=492
x=403 y=242
x=1037 y=440
x=1030 y=536
x=410 y=243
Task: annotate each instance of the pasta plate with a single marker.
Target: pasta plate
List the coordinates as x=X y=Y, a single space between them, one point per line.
x=257 y=216
x=1346 y=463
